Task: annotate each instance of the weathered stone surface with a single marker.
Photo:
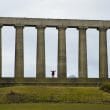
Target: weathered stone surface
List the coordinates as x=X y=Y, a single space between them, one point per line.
x=40 y=67
x=61 y=25
x=61 y=52
x=0 y=53
x=54 y=22
x=19 y=53
x=82 y=53
x=103 y=60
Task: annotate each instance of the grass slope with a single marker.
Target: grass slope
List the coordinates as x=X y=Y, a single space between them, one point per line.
x=35 y=94
x=40 y=106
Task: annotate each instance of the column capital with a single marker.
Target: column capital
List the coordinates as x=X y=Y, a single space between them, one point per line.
x=61 y=27
x=102 y=28
x=82 y=27
x=40 y=27
x=19 y=26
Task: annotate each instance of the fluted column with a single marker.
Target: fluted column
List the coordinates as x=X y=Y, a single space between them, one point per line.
x=103 y=62
x=40 y=69
x=0 y=53
x=82 y=53
x=19 y=55
x=61 y=53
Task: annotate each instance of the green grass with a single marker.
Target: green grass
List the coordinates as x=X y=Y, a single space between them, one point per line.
x=40 y=106
x=36 y=94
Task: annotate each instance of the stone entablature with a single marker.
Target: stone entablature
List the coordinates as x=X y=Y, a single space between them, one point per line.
x=54 y=22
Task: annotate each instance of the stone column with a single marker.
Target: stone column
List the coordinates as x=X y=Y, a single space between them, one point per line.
x=0 y=53
x=40 y=69
x=103 y=62
x=61 y=53
x=82 y=53
x=19 y=56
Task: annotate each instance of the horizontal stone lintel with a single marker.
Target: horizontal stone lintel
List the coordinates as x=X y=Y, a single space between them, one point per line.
x=70 y=23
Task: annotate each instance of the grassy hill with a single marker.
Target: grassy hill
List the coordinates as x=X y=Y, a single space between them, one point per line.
x=37 y=94
x=55 y=106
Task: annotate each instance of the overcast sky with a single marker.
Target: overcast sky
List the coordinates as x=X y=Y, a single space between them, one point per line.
x=67 y=9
